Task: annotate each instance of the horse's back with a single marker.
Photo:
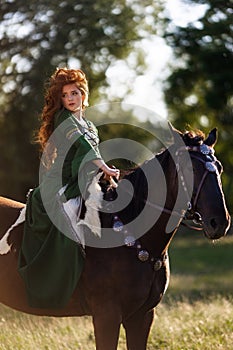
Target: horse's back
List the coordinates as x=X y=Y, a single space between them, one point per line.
x=10 y=203
x=9 y=211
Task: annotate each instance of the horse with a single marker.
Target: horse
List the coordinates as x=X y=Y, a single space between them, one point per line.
x=123 y=283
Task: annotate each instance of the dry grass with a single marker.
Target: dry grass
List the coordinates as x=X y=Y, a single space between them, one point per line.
x=196 y=313
x=202 y=325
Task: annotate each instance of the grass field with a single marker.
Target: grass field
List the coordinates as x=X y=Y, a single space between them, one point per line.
x=196 y=313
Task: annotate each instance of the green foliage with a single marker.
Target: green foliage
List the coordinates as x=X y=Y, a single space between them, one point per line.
x=36 y=37
x=206 y=266
x=199 y=91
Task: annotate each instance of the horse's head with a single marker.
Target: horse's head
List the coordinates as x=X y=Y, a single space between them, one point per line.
x=207 y=203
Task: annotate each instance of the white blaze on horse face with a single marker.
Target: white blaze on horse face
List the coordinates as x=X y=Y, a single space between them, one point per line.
x=4 y=246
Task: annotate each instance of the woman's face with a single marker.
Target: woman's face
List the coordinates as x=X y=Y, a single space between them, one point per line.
x=71 y=98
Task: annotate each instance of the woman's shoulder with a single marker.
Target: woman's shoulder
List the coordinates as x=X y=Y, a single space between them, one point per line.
x=61 y=116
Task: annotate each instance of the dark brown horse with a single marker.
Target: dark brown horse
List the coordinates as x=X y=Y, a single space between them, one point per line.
x=122 y=284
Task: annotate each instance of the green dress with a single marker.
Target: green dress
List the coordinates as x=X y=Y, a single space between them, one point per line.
x=51 y=259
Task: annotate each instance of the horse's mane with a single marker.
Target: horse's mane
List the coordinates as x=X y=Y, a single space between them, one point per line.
x=193 y=137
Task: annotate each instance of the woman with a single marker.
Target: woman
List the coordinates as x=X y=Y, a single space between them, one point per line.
x=51 y=260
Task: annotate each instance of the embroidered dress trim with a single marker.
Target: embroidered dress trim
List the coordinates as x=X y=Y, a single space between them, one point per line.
x=72 y=132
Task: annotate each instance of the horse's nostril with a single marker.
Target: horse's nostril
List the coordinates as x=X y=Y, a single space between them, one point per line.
x=213 y=223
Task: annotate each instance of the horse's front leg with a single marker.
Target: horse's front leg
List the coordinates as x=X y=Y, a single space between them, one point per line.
x=106 y=327
x=137 y=330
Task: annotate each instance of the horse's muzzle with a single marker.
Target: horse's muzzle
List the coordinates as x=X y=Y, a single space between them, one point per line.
x=216 y=227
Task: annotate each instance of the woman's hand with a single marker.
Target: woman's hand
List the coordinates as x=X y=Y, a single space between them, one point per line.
x=110 y=173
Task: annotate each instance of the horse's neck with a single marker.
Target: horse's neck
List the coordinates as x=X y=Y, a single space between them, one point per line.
x=162 y=192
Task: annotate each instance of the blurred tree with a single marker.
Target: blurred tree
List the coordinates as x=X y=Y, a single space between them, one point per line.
x=199 y=90
x=38 y=36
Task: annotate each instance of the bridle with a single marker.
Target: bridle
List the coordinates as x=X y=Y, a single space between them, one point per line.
x=210 y=161
x=191 y=212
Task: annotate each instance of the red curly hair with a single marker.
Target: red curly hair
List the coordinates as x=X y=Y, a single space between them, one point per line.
x=53 y=103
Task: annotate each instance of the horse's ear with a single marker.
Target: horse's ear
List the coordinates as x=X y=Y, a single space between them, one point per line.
x=175 y=133
x=211 y=138
x=171 y=127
